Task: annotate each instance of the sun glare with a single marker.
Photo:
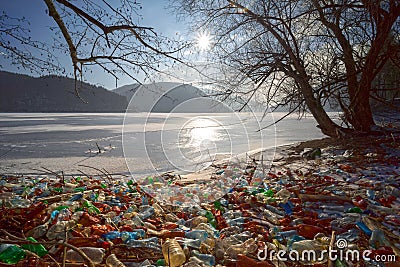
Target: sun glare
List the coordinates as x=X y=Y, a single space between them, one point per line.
x=203 y=41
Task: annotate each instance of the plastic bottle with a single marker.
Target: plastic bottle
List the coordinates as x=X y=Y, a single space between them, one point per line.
x=111 y=235
x=189 y=242
x=126 y=236
x=211 y=219
x=236 y=222
x=249 y=246
x=284 y=194
x=173 y=253
x=197 y=234
x=113 y=261
x=350 y=235
x=147 y=213
x=206 y=259
x=340 y=263
x=210 y=230
x=38 y=249
x=95 y=254
x=354 y=210
x=57 y=231
x=194 y=222
x=272 y=217
x=11 y=254
x=378 y=239
x=287 y=207
x=151 y=242
x=90 y=207
x=232 y=214
x=281 y=236
x=364 y=228
x=38 y=231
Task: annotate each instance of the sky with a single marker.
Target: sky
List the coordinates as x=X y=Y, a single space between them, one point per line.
x=155 y=14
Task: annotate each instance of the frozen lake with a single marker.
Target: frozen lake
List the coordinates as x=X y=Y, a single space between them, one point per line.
x=161 y=142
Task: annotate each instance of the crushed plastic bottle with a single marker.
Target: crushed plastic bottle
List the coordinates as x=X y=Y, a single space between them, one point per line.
x=173 y=253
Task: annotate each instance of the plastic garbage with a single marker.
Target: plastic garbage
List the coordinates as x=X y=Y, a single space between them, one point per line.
x=38 y=249
x=206 y=259
x=11 y=254
x=60 y=229
x=113 y=261
x=378 y=239
x=197 y=234
x=173 y=253
x=94 y=254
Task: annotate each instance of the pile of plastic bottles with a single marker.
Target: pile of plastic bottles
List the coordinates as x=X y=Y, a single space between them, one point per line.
x=288 y=218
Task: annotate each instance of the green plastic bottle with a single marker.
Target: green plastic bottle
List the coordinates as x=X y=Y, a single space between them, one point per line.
x=269 y=193
x=354 y=210
x=90 y=207
x=161 y=262
x=218 y=205
x=38 y=249
x=211 y=219
x=339 y=263
x=11 y=254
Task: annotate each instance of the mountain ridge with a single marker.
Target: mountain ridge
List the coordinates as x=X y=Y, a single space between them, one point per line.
x=24 y=93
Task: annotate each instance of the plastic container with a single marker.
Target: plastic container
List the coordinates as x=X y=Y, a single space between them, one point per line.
x=378 y=239
x=38 y=249
x=11 y=254
x=147 y=213
x=206 y=259
x=173 y=253
x=113 y=261
x=197 y=234
x=57 y=231
x=95 y=254
x=210 y=230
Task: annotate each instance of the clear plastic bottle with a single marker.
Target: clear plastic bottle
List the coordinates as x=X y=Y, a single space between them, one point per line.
x=113 y=261
x=38 y=231
x=151 y=242
x=209 y=229
x=197 y=234
x=95 y=254
x=57 y=231
x=147 y=213
x=190 y=242
x=378 y=239
x=194 y=222
x=206 y=259
x=173 y=253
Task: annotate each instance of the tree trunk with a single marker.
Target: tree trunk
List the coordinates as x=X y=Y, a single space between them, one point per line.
x=360 y=109
x=327 y=126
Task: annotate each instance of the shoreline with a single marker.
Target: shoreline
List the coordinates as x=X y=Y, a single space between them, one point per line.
x=115 y=165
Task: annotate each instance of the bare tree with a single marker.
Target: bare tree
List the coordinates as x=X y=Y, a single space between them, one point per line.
x=93 y=33
x=304 y=52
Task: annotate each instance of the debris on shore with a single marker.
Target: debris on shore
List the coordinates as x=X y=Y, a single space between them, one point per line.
x=334 y=203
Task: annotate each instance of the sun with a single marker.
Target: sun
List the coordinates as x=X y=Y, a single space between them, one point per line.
x=203 y=41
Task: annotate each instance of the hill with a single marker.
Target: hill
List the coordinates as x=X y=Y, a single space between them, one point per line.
x=166 y=97
x=23 y=93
